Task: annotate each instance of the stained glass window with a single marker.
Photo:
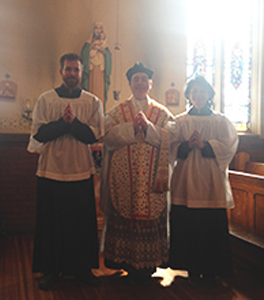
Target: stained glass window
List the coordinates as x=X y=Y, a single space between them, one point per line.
x=220 y=46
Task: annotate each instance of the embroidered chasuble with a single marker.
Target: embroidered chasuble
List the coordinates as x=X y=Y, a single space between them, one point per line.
x=139 y=172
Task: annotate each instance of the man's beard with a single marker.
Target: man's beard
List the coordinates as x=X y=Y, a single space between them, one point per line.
x=72 y=84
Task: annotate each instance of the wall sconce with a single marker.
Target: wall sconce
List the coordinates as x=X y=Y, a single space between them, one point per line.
x=27 y=110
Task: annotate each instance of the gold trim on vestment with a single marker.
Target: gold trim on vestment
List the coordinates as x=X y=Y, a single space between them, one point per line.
x=139 y=172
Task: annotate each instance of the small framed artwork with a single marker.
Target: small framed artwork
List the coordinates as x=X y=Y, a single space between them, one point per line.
x=8 y=89
x=172 y=97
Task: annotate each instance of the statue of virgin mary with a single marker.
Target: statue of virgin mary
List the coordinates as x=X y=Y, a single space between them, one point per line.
x=97 y=63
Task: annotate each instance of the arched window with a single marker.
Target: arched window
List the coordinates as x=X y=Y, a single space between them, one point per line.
x=223 y=45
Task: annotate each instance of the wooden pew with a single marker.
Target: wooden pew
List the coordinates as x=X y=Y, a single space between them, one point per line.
x=247 y=183
x=253 y=167
x=247 y=218
x=243 y=163
x=240 y=160
x=246 y=221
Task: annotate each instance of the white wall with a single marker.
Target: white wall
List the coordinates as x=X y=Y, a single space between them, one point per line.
x=34 y=34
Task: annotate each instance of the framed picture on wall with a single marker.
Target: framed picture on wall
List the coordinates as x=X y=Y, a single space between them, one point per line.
x=172 y=97
x=8 y=89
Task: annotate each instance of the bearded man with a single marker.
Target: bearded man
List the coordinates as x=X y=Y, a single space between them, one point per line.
x=66 y=120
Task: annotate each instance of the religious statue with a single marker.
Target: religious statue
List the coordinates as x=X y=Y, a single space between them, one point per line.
x=97 y=63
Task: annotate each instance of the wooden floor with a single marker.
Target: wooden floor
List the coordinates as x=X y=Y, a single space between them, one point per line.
x=18 y=283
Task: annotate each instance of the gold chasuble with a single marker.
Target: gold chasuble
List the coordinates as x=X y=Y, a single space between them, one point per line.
x=139 y=172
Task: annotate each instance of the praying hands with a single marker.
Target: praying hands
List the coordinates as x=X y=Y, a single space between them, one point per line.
x=68 y=116
x=141 y=122
x=195 y=140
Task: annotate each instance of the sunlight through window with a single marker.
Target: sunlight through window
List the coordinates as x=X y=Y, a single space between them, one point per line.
x=220 y=48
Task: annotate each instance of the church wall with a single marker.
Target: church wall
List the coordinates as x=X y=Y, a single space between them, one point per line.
x=34 y=34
